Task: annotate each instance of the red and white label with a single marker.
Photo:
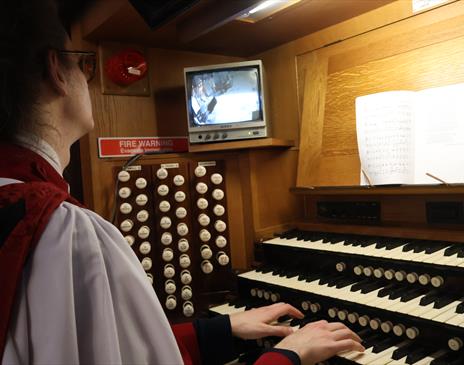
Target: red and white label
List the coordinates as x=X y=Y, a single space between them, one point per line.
x=129 y=146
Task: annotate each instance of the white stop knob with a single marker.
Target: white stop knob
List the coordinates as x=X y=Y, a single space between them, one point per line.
x=203 y=219
x=412 y=277
x=178 y=180
x=206 y=252
x=219 y=210
x=220 y=226
x=163 y=190
x=353 y=317
x=182 y=229
x=222 y=258
x=315 y=307
x=186 y=293
x=126 y=225
x=130 y=240
x=166 y=238
x=185 y=277
x=205 y=236
x=216 y=178
x=181 y=212
x=207 y=267
x=201 y=188
x=375 y=323
x=342 y=315
x=358 y=270
x=125 y=208
x=368 y=271
x=183 y=245
x=147 y=263
x=305 y=305
x=170 y=287
x=167 y=254
x=200 y=171
x=332 y=312
x=150 y=278
x=202 y=203
x=400 y=275
x=364 y=320
x=145 y=248
x=386 y=327
x=123 y=176
x=165 y=222
x=341 y=266
x=171 y=302
x=188 y=309
x=437 y=281
x=143 y=232
x=142 y=216
x=162 y=173
x=184 y=261
x=221 y=241
x=124 y=193
x=412 y=333
x=389 y=274
x=218 y=194
x=455 y=343
x=424 y=279
x=164 y=206
x=179 y=196
x=379 y=272
x=141 y=183
x=169 y=271
x=141 y=200
x=399 y=330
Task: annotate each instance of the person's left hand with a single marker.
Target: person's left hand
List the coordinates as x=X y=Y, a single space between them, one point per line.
x=255 y=323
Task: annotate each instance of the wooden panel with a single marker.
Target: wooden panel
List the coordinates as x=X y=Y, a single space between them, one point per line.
x=416 y=55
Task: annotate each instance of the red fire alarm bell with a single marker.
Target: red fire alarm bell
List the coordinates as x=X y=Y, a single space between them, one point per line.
x=126 y=67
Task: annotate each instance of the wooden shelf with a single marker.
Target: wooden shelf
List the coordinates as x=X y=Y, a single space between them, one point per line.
x=380 y=190
x=244 y=144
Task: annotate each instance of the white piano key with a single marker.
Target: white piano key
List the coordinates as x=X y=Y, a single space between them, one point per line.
x=433 y=313
x=428 y=359
x=432 y=258
x=385 y=356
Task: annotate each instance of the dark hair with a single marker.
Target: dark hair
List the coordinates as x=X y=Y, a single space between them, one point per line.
x=28 y=29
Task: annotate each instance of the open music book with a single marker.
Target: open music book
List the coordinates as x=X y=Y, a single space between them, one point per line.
x=402 y=135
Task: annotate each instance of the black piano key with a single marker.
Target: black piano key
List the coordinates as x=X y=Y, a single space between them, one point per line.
x=333 y=282
x=387 y=290
x=409 y=246
x=372 y=286
x=372 y=340
x=392 y=244
x=360 y=285
x=418 y=354
x=348 y=281
x=385 y=344
x=455 y=359
x=429 y=298
x=444 y=359
x=403 y=351
x=450 y=251
x=435 y=247
x=461 y=252
x=443 y=301
x=460 y=308
x=398 y=293
x=420 y=247
x=368 y=241
x=412 y=294
x=284 y=318
x=381 y=243
x=327 y=278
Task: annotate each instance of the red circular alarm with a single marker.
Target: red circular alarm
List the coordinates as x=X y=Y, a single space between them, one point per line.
x=126 y=67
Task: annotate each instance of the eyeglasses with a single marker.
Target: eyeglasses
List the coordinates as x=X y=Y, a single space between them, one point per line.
x=87 y=62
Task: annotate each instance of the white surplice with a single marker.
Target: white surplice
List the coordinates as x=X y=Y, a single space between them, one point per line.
x=85 y=299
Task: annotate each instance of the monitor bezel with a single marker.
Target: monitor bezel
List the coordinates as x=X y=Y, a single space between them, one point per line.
x=228 y=126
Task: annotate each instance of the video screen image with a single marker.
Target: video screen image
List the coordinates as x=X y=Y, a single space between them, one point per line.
x=225 y=96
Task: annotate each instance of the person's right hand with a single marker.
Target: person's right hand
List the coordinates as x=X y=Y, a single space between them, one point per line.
x=321 y=340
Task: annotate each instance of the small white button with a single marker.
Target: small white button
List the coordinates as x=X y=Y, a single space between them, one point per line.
x=207 y=267
x=358 y=270
x=171 y=302
x=178 y=180
x=399 y=330
x=200 y=171
x=188 y=309
x=379 y=272
x=143 y=232
x=368 y=271
x=275 y=297
x=124 y=192
x=186 y=293
x=170 y=287
x=184 y=261
x=332 y=312
x=400 y=275
x=203 y=219
x=219 y=210
x=220 y=226
x=150 y=278
x=386 y=327
x=141 y=199
x=267 y=295
x=185 y=277
x=125 y=208
x=315 y=307
x=412 y=277
x=181 y=212
x=221 y=241
x=183 y=245
x=222 y=258
x=412 y=333
x=145 y=248
x=179 y=196
x=123 y=176
x=126 y=225
x=389 y=274
x=455 y=343
x=375 y=323
x=216 y=178
x=142 y=216
x=424 y=279
x=205 y=236
x=130 y=240
x=169 y=271
x=305 y=305
x=340 y=266
x=218 y=194
x=353 y=317
x=163 y=190
x=206 y=252
x=253 y=292
x=164 y=206
x=201 y=188
x=260 y=293
x=342 y=315
x=182 y=229
x=165 y=222
x=364 y=321
x=437 y=281
x=202 y=203
x=162 y=173
x=166 y=238
x=167 y=255
x=146 y=263
x=141 y=183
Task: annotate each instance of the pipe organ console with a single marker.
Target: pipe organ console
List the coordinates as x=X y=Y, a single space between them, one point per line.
x=402 y=296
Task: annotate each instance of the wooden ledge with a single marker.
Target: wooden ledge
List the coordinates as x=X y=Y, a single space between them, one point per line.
x=243 y=144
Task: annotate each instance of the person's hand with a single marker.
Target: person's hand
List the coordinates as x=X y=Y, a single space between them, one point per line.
x=255 y=323
x=321 y=340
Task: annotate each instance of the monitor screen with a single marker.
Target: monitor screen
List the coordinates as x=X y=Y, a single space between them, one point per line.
x=224 y=96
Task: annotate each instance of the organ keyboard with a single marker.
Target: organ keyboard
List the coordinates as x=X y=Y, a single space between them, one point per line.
x=402 y=296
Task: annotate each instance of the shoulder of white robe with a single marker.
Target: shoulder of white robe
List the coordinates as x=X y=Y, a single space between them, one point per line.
x=88 y=299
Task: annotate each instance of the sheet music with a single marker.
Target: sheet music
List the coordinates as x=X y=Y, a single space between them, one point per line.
x=385 y=132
